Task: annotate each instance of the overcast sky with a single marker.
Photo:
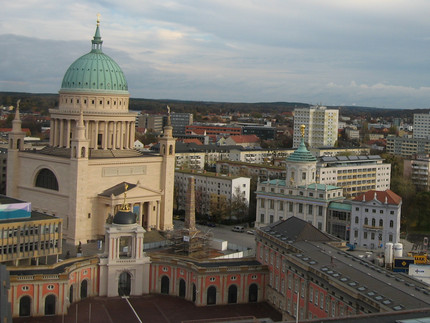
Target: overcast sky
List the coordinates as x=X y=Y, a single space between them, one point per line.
x=333 y=52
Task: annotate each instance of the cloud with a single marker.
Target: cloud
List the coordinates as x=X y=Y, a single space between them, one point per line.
x=223 y=50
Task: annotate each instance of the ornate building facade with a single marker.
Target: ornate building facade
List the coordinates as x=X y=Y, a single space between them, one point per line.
x=80 y=176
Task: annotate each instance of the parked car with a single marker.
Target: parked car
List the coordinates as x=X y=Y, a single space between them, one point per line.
x=238 y=228
x=250 y=231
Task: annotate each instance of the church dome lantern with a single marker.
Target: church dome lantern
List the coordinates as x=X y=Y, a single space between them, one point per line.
x=95 y=72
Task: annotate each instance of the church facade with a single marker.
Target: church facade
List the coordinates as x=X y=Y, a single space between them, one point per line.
x=80 y=176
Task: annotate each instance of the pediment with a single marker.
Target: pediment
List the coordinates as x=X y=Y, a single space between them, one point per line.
x=133 y=191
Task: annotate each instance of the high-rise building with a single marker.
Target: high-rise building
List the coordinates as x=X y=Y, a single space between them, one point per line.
x=151 y=122
x=180 y=121
x=321 y=126
x=421 y=125
x=90 y=163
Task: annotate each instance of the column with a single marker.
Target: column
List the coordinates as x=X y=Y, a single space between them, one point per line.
x=114 y=135
x=105 y=137
x=61 y=139
x=52 y=132
x=96 y=134
x=132 y=130
x=86 y=123
x=121 y=135
x=127 y=135
x=68 y=134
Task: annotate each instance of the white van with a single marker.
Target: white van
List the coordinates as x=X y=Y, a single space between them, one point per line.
x=238 y=228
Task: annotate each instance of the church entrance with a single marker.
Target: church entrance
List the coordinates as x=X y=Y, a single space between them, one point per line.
x=124 y=284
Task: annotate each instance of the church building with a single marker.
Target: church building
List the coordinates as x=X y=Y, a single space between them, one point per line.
x=81 y=176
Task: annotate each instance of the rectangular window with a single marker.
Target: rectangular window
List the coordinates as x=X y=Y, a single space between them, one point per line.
x=310 y=207
x=320 y=210
x=281 y=206
x=300 y=208
x=261 y=218
x=262 y=203
x=271 y=204
x=290 y=206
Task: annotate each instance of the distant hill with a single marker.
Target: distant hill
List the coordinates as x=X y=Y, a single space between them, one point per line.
x=44 y=101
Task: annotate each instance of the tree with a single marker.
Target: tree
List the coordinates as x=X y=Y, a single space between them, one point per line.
x=239 y=205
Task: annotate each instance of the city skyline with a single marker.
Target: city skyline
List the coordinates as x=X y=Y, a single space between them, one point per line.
x=334 y=53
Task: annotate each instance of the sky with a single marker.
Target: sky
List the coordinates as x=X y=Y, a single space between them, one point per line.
x=332 y=52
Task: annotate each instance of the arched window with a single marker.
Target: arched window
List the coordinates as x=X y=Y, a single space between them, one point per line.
x=356 y=219
x=170 y=150
x=373 y=222
x=165 y=285
x=182 y=289
x=253 y=293
x=84 y=289
x=50 y=304
x=391 y=223
x=25 y=306
x=211 y=297
x=381 y=223
x=366 y=221
x=46 y=179
x=232 y=294
x=83 y=152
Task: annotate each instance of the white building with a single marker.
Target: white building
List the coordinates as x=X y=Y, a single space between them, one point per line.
x=355 y=174
x=80 y=176
x=321 y=126
x=421 y=125
x=375 y=219
x=211 y=187
x=299 y=195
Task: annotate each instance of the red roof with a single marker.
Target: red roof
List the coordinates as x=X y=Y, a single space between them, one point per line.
x=192 y=140
x=382 y=196
x=26 y=130
x=245 y=139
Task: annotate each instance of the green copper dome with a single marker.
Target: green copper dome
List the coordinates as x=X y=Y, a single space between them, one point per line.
x=95 y=71
x=301 y=154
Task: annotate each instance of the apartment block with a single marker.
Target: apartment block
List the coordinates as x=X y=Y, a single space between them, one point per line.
x=321 y=126
x=418 y=171
x=179 y=122
x=407 y=146
x=421 y=125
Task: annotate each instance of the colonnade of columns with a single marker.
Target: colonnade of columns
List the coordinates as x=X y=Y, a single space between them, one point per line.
x=114 y=134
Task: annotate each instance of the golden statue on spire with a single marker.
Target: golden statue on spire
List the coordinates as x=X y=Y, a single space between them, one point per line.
x=302 y=130
x=98 y=19
x=125 y=206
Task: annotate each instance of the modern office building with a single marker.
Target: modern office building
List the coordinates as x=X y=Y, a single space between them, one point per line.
x=151 y=122
x=355 y=174
x=180 y=121
x=321 y=126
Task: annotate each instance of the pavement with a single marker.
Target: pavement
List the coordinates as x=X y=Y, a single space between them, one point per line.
x=157 y=309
